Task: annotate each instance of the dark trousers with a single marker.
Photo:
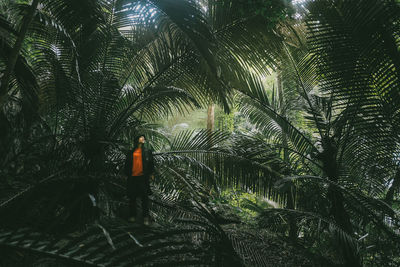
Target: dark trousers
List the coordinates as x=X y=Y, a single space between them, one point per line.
x=133 y=206
x=138 y=187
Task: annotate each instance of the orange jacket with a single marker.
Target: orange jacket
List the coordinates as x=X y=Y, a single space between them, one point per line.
x=147 y=162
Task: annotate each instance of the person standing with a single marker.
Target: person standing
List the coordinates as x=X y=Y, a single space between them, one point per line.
x=139 y=168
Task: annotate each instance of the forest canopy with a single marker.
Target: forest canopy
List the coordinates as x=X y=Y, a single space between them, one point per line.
x=274 y=127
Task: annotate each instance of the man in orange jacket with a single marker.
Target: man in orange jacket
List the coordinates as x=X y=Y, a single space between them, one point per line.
x=139 y=168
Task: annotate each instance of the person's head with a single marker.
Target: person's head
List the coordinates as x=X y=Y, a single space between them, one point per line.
x=140 y=140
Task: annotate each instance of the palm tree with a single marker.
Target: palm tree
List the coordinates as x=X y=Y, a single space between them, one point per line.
x=347 y=109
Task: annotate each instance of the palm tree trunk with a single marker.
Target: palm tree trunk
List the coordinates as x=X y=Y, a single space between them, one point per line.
x=337 y=210
x=15 y=52
x=396 y=184
x=210 y=127
x=290 y=193
x=210 y=117
x=342 y=218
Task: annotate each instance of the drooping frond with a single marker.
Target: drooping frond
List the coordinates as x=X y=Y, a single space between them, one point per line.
x=257 y=106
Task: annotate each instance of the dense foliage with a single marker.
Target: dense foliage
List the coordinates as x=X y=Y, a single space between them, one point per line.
x=302 y=171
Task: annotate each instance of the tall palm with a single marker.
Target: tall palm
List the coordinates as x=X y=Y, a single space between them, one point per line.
x=367 y=81
x=343 y=140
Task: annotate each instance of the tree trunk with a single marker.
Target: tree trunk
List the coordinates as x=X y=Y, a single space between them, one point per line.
x=280 y=91
x=395 y=185
x=15 y=52
x=210 y=117
x=290 y=199
x=338 y=211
